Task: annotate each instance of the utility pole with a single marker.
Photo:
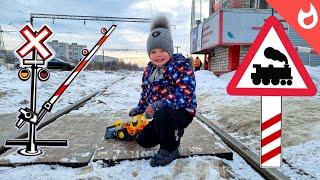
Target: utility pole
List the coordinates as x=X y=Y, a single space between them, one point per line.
x=103 y=65
x=192 y=20
x=192 y=24
x=200 y=10
x=272 y=12
x=177 y=48
x=2 y=47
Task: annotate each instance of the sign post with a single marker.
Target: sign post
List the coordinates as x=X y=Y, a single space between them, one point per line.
x=271 y=69
x=35 y=45
x=271 y=115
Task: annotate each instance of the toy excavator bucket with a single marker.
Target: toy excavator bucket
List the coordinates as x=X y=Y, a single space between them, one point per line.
x=118 y=123
x=111 y=131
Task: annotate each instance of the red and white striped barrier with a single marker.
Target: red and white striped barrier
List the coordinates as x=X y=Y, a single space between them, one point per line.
x=47 y=106
x=271 y=113
x=83 y=63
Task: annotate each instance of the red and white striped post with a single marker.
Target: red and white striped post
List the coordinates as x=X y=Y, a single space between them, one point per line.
x=271 y=115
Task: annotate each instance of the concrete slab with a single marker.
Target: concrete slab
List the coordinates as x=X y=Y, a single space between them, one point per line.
x=85 y=135
x=196 y=141
x=7 y=121
x=82 y=132
x=7 y=129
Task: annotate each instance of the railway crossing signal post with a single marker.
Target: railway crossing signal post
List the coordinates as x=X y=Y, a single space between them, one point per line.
x=271 y=69
x=35 y=44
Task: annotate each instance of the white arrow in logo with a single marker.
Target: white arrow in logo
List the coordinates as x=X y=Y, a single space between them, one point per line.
x=303 y=15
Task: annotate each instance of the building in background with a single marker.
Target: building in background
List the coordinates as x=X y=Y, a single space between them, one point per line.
x=11 y=57
x=75 y=51
x=68 y=52
x=225 y=36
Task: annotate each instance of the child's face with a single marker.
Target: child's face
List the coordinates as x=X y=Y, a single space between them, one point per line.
x=159 y=57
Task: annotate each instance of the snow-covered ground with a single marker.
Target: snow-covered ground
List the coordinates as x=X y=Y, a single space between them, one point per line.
x=213 y=102
x=15 y=93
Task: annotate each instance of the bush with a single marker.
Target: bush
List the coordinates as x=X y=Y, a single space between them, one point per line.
x=113 y=66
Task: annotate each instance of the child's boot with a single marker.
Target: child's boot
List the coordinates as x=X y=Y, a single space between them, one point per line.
x=164 y=157
x=180 y=134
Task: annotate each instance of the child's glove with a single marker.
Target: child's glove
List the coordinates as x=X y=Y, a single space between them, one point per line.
x=134 y=112
x=150 y=111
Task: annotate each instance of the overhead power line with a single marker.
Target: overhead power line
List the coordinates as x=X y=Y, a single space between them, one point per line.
x=87 y=18
x=125 y=50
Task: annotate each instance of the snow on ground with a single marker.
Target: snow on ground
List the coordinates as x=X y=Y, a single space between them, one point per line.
x=302 y=127
x=304 y=156
x=15 y=94
x=211 y=96
x=314 y=74
x=213 y=87
x=211 y=93
x=203 y=167
x=121 y=96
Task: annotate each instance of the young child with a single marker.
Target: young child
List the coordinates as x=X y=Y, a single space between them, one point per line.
x=168 y=95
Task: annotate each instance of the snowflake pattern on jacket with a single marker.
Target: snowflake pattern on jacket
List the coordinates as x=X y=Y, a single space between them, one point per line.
x=176 y=88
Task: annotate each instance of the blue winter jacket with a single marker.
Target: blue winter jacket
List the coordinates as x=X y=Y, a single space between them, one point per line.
x=176 y=87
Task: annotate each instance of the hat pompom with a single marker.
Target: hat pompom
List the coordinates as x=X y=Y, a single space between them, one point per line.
x=160 y=21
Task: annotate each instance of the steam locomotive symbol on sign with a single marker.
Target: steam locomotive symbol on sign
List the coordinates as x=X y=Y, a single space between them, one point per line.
x=275 y=75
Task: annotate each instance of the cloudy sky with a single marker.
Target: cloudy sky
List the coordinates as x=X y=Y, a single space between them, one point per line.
x=15 y=13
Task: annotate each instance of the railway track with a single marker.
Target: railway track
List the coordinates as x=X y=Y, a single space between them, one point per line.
x=250 y=157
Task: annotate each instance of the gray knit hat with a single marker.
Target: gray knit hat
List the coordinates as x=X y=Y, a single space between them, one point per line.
x=160 y=36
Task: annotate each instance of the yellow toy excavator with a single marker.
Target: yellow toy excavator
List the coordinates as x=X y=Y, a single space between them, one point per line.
x=126 y=130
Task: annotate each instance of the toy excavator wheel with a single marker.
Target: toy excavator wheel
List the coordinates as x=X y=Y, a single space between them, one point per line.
x=122 y=134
